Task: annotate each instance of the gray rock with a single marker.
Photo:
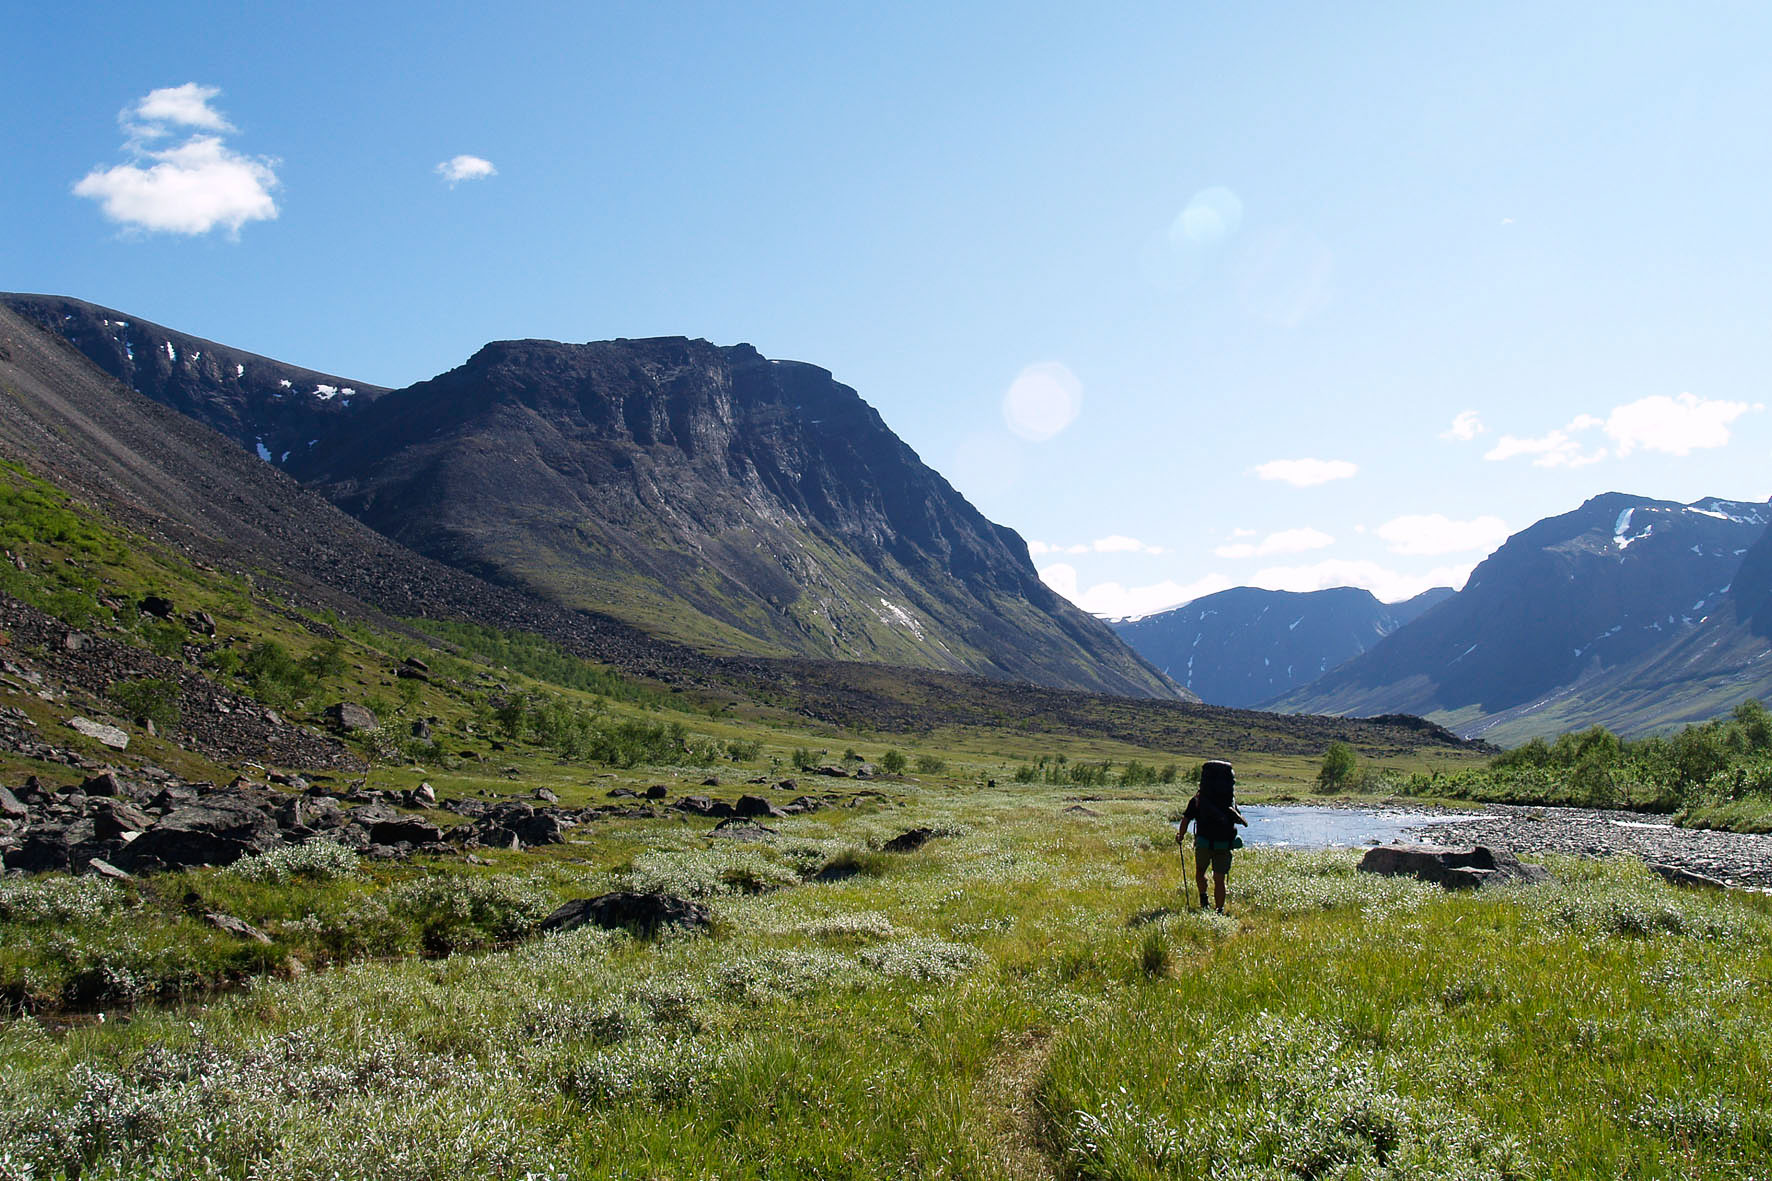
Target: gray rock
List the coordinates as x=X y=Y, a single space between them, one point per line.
x=111 y=736
x=10 y=806
x=1686 y=877
x=238 y=928
x=756 y=806
x=351 y=717
x=405 y=829
x=643 y=913
x=1456 y=869
x=909 y=842
x=218 y=830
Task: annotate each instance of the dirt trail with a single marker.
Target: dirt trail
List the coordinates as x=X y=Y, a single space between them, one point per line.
x=1005 y=1097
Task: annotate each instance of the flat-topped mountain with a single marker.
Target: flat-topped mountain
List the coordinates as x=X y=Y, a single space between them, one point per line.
x=703 y=494
x=1574 y=620
x=1246 y=644
x=714 y=496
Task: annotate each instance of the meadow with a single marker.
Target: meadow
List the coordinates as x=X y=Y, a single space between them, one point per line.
x=1028 y=995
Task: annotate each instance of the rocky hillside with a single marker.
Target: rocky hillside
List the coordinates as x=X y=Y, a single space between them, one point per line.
x=701 y=494
x=274 y=410
x=1247 y=645
x=1623 y=611
x=715 y=497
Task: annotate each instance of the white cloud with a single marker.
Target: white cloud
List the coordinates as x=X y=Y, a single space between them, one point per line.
x=183 y=106
x=1303 y=473
x=1558 y=448
x=1674 y=426
x=1465 y=427
x=1114 y=544
x=1389 y=585
x=1286 y=541
x=460 y=168
x=191 y=187
x=1114 y=601
x=1435 y=534
x=1042 y=401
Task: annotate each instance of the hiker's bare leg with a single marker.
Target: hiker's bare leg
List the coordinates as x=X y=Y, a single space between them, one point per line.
x=1200 y=877
x=1217 y=890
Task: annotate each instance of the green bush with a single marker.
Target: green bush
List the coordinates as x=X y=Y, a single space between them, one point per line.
x=150 y=698
x=1339 y=767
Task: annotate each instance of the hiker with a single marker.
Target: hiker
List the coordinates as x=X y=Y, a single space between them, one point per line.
x=1213 y=813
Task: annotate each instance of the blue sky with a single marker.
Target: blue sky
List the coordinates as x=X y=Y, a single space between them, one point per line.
x=1117 y=274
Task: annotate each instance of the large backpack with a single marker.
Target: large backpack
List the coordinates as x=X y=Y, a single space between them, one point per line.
x=1218 y=783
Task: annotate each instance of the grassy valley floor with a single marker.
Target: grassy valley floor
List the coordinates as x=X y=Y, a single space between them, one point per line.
x=1027 y=995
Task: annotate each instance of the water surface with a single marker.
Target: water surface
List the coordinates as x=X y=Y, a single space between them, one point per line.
x=1309 y=826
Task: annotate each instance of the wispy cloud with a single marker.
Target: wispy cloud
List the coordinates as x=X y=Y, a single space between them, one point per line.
x=1303 y=473
x=459 y=168
x=1678 y=425
x=1286 y=541
x=1557 y=448
x=1465 y=427
x=1112 y=600
x=1388 y=585
x=1113 y=544
x=1433 y=533
x=189 y=187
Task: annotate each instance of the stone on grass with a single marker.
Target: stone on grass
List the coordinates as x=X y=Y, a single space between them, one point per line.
x=239 y=928
x=909 y=842
x=1456 y=869
x=1685 y=877
x=756 y=806
x=111 y=736
x=642 y=913
x=351 y=717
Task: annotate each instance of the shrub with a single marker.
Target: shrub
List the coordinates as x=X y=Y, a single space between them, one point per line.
x=316 y=861
x=150 y=698
x=1339 y=766
x=893 y=763
x=930 y=765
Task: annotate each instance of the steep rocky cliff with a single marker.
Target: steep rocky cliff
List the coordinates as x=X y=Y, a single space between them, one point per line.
x=714 y=496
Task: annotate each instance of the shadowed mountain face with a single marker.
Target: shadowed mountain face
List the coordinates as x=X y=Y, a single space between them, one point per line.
x=1245 y=645
x=703 y=494
x=1549 y=627
x=274 y=410
x=714 y=496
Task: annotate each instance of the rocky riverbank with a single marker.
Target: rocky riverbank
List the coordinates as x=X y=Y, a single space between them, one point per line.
x=1740 y=859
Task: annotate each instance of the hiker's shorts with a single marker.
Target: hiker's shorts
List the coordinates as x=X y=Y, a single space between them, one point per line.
x=1218 y=859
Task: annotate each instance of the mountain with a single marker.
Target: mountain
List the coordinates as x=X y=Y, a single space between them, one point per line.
x=1624 y=612
x=1245 y=645
x=194 y=499
x=270 y=408
x=702 y=494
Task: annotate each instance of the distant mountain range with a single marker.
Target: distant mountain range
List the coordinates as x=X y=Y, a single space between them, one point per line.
x=1247 y=645
x=1635 y=613
x=701 y=494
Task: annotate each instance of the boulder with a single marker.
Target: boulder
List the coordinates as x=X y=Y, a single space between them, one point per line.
x=1685 y=877
x=657 y=791
x=741 y=829
x=642 y=913
x=10 y=805
x=703 y=806
x=217 y=830
x=1456 y=869
x=411 y=830
x=351 y=717
x=756 y=806
x=909 y=842
x=112 y=818
x=239 y=928
x=111 y=736
x=105 y=783
x=158 y=605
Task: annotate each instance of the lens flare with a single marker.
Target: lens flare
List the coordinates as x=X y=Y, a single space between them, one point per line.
x=1044 y=399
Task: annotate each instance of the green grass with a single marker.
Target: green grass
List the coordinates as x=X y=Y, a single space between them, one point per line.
x=1025 y=996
